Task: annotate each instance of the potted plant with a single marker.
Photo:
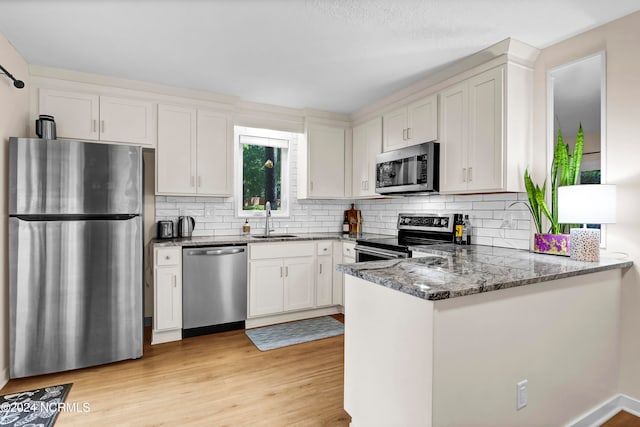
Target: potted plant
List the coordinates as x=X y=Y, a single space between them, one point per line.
x=565 y=170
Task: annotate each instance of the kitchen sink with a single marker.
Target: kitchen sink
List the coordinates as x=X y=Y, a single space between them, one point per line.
x=272 y=235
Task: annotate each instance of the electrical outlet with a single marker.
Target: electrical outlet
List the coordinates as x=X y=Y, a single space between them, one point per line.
x=521 y=394
x=508 y=221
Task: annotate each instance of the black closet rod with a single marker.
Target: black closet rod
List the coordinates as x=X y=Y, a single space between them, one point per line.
x=17 y=83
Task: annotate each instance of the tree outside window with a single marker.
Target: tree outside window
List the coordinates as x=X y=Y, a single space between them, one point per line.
x=263 y=175
x=262 y=179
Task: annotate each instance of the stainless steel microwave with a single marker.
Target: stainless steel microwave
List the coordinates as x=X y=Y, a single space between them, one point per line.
x=409 y=169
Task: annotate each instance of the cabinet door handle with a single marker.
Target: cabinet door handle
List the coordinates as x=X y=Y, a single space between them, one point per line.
x=404 y=134
x=408 y=133
x=286 y=271
x=174 y=281
x=311 y=185
x=320 y=268
x=101 y=126
x=280 y=271
x=470 y=176
x=199 y=181
x=94 y=125
x=464 y=174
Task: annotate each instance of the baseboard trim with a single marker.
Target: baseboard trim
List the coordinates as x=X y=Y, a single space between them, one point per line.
x=606 y=410
x=290 y=317
x=4 y=377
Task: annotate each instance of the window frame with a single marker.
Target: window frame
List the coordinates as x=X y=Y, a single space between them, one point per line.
x=267 y=138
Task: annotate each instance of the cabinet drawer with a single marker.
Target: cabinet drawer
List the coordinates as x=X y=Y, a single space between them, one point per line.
x=324 y=248
x=349 y=249
x=281 y=250
x=168 y=256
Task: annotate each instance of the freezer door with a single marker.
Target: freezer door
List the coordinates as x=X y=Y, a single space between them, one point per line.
x=75 y=294
x=60 y=177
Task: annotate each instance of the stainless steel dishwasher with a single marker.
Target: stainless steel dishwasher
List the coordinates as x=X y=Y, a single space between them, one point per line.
x=214 y=289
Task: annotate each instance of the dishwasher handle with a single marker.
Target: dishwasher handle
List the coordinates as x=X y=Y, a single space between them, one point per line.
x=215 y=252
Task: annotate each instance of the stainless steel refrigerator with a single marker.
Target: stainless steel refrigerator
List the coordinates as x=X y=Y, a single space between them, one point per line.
x=75 y=254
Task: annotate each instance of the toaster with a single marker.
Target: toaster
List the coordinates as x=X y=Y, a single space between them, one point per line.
x=165 y=229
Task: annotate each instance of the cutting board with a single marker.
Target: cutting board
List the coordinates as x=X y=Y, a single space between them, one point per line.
x=354 y=218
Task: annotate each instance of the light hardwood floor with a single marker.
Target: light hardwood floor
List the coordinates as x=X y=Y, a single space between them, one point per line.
x=623 y=419
x=214 y=380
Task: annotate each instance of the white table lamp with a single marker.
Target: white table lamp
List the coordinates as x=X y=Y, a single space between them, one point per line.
x=586 y=204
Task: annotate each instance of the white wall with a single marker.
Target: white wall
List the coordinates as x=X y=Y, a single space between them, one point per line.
x=620 y=39
x=14 y=115
x=562 y=336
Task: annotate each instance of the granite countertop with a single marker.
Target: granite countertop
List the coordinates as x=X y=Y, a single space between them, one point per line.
x=243 y=239
x=454 y=271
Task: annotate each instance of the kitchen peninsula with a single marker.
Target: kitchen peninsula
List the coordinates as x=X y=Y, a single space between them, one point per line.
x=444 y=340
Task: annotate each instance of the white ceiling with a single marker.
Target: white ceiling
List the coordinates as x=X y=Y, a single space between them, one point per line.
x=335 y=55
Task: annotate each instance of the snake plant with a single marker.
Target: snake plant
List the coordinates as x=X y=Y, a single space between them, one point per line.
x=565 y=170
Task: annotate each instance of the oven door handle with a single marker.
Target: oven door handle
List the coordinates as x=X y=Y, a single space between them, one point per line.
x=379 y=252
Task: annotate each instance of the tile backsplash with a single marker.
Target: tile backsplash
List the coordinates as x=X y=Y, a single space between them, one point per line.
x=494 y=220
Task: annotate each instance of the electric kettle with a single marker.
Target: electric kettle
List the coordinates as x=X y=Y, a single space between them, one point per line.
x=186 y=224
x=46 y=127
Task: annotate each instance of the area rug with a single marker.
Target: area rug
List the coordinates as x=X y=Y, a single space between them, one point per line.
x=34 y=407
x=286 y=334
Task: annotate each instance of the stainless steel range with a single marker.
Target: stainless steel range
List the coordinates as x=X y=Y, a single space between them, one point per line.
x=413 y=230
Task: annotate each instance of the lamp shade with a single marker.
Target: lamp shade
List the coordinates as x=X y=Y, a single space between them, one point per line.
x=587 y=204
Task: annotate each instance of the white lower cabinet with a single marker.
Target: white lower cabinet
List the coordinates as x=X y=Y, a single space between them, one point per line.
x=347 y=256
x=266 y=288
x=298 y=283
x=167 y=291
x=292 y=276
x=281 y=277
x=324 y=274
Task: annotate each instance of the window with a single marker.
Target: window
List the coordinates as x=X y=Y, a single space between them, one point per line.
x=262 y=171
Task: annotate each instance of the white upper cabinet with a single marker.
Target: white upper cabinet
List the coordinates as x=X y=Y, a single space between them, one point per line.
x=395 y=129
x=480 y=150
x=422 y=120
x=411 y=124
x=99 y=118
x=367 y=143
x=214 y=161
x=321 y=162
x=76 y=114
x=176 y=150
x=194 y=155
x=126 y=120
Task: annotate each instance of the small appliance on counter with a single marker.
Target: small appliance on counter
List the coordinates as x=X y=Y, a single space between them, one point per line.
x=165 y=230
x=46 y=127
x=186 y=224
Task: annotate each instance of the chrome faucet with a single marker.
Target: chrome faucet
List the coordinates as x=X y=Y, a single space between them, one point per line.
x=267 y=209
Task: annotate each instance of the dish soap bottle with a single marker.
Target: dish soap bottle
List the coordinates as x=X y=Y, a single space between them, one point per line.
x=246 y=228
